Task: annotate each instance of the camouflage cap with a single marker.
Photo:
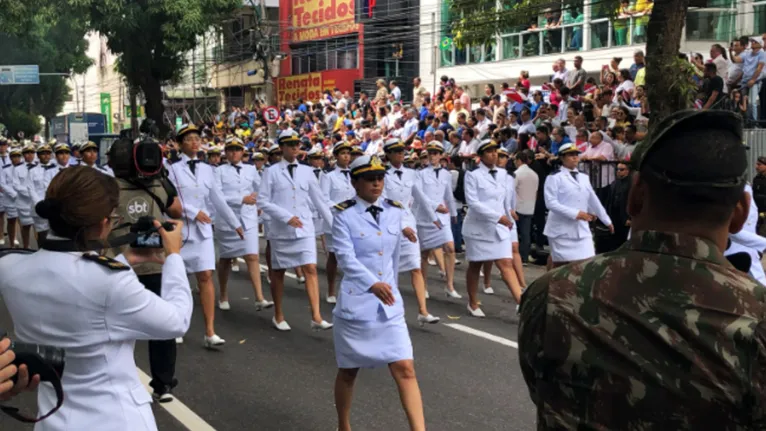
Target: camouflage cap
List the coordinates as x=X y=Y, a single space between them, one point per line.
x=687 y=121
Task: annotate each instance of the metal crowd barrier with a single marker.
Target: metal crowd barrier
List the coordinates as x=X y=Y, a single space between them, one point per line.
x=756 y=140
x=601 y=174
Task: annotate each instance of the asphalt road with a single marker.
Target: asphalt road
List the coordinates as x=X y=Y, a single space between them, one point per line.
x=267 y=380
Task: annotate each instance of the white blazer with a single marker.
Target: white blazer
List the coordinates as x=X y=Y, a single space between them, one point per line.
x=235 y=186
x=438 y=190
x=193 y=189
x=747 y=240
x=487 y=199
x=22 y=183
x=407 y=190
x=283 y=197
x=565 y=197
x=336 y=187
x=95 y=314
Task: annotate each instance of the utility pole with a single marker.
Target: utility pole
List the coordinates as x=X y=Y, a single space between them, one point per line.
x=265 y=54
x=133 y=111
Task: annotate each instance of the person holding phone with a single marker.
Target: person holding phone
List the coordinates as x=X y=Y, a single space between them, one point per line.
x=97 y=308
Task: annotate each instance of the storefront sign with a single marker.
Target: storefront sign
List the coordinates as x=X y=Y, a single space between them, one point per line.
x=319 y=19
x=310 y=86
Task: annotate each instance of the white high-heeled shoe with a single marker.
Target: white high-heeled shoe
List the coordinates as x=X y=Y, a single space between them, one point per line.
x=452 y=294
x=427 y=318
x=281 y=326
x=477 y=312
x=321 y=326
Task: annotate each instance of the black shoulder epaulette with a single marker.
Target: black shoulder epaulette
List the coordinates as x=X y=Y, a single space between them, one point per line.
x=345 y=205
x=394 y=203
x=106 y=261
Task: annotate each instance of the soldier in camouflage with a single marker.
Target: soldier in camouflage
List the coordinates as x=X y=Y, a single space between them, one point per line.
x=663 y=333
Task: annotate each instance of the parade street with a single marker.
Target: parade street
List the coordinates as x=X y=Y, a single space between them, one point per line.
x=262 y=379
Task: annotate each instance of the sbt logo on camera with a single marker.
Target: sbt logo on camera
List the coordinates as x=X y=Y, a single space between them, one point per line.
x=137 y=208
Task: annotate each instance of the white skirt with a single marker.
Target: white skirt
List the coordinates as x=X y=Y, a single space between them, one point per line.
x=11 y=211
x=25 y=216
x=329 y=243
x=431 y=237
x=199 y=256
x=318 y=222
x=230 y=245
x=571 y=250
x=482 y=251
x=41 y=224
x=514 y=233
x=409 y=255
x=370 y=344
x=291 y=253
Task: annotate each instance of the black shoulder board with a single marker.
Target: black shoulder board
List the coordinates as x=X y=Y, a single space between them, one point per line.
x=107 y=262
x=345 y=205
x=6 y=251
x=394 y=203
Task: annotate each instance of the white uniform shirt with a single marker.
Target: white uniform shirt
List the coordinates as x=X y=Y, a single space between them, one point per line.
x=407 y=190
x=436 y=185
x=193 y=190
x=6 y=182
x=22 y=183
x=95 y=314
x=747 y=240
x=565 y=197
x=236 y=184
x=336 y=186
x=527 y=183
x=283 y=197
x=487 y=200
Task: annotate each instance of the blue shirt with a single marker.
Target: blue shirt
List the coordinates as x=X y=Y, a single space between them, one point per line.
x=555 y=145
x=750 y=63
x=634 y=70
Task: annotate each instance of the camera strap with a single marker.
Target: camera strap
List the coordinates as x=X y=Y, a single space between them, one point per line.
x=52 y=377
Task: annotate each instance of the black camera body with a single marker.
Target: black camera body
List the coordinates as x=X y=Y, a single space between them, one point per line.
x=147 y=236
x=139 y=160
x=47 y=361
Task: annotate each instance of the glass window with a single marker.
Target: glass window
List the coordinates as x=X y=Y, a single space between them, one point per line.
x=707 y=24
x=296 y=64
x=511 y=47
x=446 y=48
x=531 y=42
x=759 y=14
x=599 y=35
x=347 y=58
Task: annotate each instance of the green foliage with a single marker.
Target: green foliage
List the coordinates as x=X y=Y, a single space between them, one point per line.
x=683 y=92
x=17 y=120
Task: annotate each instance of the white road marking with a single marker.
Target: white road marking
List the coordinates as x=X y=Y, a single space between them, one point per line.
x=482 y=334
x=178 y=410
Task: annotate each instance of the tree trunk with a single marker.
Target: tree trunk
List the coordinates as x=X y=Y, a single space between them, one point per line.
x=48 y=129
x=133 y=112
x=154 y=108
x=662 y=48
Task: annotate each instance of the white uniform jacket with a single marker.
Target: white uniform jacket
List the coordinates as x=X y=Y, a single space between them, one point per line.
x=283 y=197
x=6 y=183
x=236 y=184
x=748 y=241
x=95 y=314
x=367 y=252
x=565 y=197
x=487 y=200
x=336 y=187
x=22 y=183
x=319 y=174
x=193 y=189
x=50 y=173
x=437 y=188
x=407 y=190
x=39 y=185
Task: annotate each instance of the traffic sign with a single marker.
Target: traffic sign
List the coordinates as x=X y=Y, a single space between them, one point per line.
x=20 y=75
x=271 y=114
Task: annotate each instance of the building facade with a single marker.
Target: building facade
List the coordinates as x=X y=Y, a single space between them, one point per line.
x=583 y=28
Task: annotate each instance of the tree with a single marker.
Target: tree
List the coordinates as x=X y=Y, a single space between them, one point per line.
x=481 y=21
x=151 y=38
x=52 y=38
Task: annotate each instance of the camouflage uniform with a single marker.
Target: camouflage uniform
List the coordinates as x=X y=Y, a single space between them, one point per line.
x=661 y=334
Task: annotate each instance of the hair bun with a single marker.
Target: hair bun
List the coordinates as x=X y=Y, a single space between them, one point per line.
x=48 y=208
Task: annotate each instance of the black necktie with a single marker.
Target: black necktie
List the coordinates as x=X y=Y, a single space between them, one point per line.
x=290 y=169
x=436 y=171
x=30 y=165
x=398 y=173
x=574 y=174
x=193 y=166
x=345 y=172
x=375 y=210
x=316 y=172
x=238 y=168
x=493 y=172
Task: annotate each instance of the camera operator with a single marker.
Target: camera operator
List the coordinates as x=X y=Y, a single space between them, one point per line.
x=8 y=370
x=146 y=191
x=93 y=307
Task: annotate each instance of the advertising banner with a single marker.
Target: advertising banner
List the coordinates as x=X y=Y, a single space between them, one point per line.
x=309 y=86
x=320 y=19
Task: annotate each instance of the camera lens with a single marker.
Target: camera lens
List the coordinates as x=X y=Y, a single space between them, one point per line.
x=53 y=356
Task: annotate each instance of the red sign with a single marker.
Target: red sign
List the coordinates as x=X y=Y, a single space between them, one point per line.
x=320 y=19
x=271 y=114
x=310 y=86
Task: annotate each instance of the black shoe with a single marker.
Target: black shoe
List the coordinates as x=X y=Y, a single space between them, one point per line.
x=165 y=395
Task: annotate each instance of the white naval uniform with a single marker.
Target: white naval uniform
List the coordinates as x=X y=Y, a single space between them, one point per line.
x=316 y=218
x=198 y=250
x=571 y=239
x=511 y=196
x=39 y=187
x=236 y=184
x=50 y=173
x=748 y=241
x=209 y=204
x=487 y=201
x=103 y=169
x=437 y=188
x=282 y=197
x=336 y=188
x=95 y=314
x=7 y=193
x=22 y=183
x=368 y=333
x=5 y=162
x=406 y=190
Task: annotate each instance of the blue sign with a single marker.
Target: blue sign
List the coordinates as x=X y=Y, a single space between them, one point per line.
x=20 y=75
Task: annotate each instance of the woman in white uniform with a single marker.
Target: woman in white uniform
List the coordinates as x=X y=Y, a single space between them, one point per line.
x=370 y=330
x=195 y=182
x=96 y=309
x=336 y=187
x=22 y=183
x=502 y=161
x=9 y=195
x=571 y=204
x=315 y=157
x=239 y=183
x=487 y=225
